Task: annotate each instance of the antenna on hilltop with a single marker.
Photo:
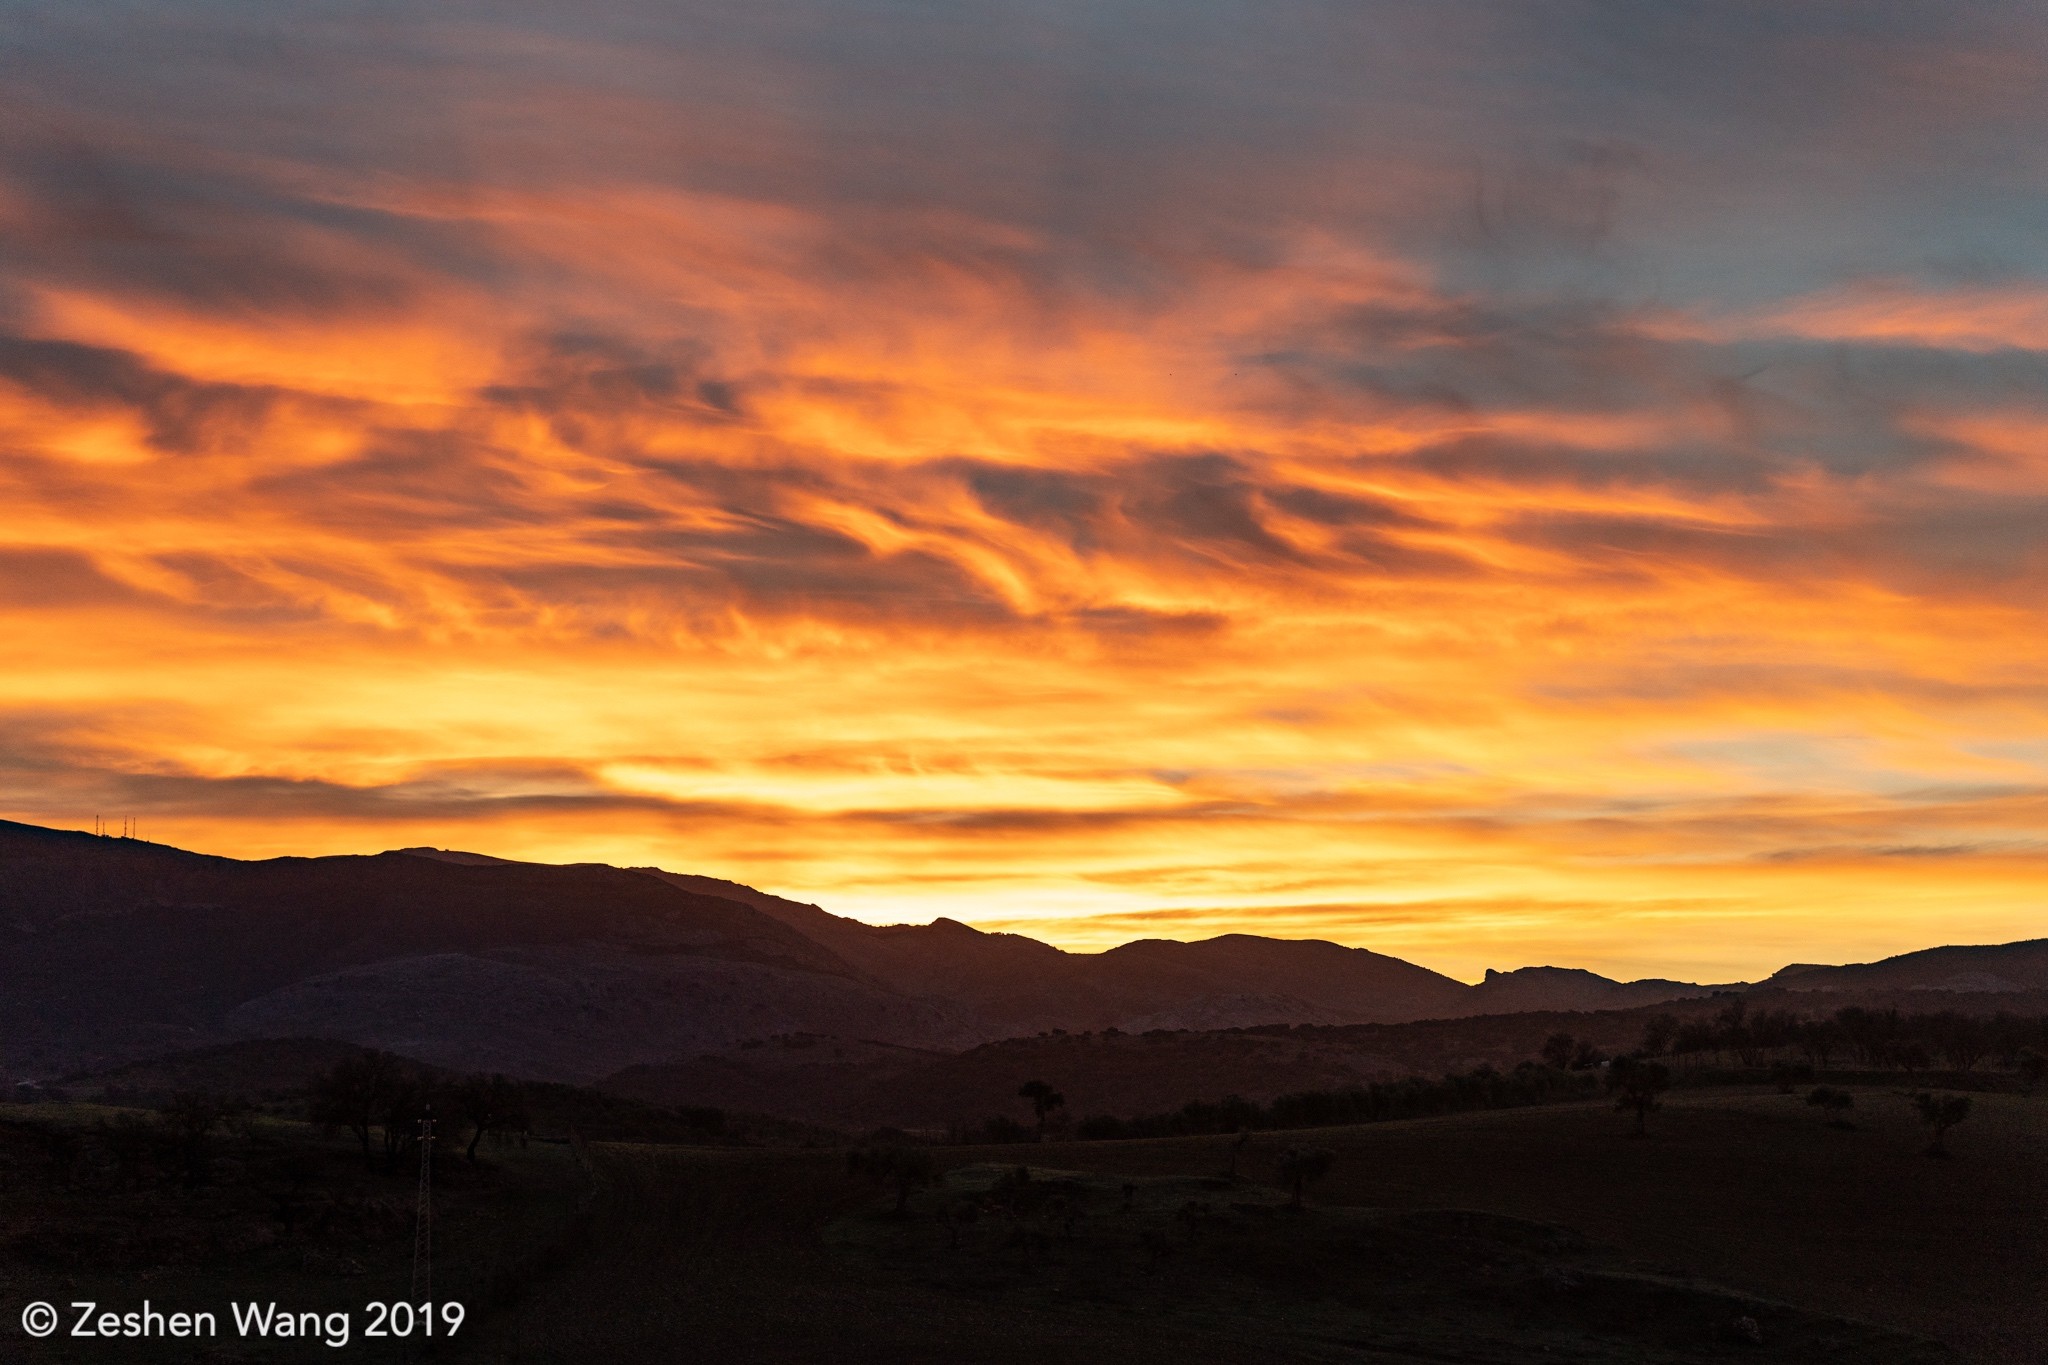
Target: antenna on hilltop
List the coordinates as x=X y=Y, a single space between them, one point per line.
x=423 y=1218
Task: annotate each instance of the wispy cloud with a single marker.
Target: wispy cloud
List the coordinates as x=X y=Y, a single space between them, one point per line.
x=1316 y=468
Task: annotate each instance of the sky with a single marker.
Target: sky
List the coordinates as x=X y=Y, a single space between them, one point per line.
x=1490 y=481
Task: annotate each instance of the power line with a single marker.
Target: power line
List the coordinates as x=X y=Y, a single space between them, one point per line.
x=423 y=1218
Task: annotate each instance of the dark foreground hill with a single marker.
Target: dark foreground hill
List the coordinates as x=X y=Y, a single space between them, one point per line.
x=116 y=949
x=1020 y=985
x=113 y=950
x=1744 y=1229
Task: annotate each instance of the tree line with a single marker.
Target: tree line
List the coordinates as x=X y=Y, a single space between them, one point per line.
x=1371 y=1102
x=1790 y=1046
x=379 y=1099
x=1870 y=1039
x=376 y=1095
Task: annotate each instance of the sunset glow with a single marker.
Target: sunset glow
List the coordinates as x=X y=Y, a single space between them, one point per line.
x=1100 y=471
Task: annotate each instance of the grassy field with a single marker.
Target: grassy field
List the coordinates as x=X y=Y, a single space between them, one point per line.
x=1579 y=1243
x=779 y=1257
x=283 y=1213
x=1751 y=1190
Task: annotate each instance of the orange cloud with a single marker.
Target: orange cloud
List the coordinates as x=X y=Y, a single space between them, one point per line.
x=1195 y=525
x=1900 y=312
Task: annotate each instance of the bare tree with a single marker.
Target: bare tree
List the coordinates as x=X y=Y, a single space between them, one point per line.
x=190 y=1117
x=1230 y=1162
x=1636 y=1083
x=1303 y=1166
x=1819 y=1039
x=1834 y=1103
x=489 y=1104
x=355 y=1093
x=907 y=1169
x=1659 y=1034
x=1044 y=1099
x=1940 y=1113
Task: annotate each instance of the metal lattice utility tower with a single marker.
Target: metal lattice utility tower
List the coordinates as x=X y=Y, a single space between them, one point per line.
x=423 y=1224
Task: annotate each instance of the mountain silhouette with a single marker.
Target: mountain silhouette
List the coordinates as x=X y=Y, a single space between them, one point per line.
x=1570 y=988
x=1985 y=968
x=116 y=949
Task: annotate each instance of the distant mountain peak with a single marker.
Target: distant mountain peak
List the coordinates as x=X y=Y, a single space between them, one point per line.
x=1967 y=968
x=453 y=855
x=1552 y=973
x=540 y=968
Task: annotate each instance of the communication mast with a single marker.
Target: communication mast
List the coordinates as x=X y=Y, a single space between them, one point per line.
x=423 y=1224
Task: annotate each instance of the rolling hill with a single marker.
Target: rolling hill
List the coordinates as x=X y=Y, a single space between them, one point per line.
x=113 y=950
x=1971 y=968
x=117 y=949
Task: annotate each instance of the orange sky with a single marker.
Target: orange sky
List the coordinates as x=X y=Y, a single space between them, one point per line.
x=1490 y=497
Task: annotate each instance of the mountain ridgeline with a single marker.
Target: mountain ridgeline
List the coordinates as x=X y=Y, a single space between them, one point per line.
x=115 y=949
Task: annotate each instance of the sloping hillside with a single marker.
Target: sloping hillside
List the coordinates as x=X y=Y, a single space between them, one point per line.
x=1570 y=988
x=1976 y=968
x=117 y=949
x=1019 y=985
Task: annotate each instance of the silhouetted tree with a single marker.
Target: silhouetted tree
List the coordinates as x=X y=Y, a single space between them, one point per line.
x=1772 y=1030
x=1558 y=1050
x=489 y=1104
x=1235 y=1113
x=1732 y=1033
x=1962 y=1039
x=906 y=1169
x=2033 y=1066
x=1044 y=1099
x=190 y=1117
x=1786 y=1075
x=1834 y=1103
x=355 y=1094
x=1941 y=1113
x=1303 y=1166
x=1819 y=1039
x=2013 y=1035
x=1000 y=1129
x=1636 y=1083
x=1694 y=1036
x=1659 y=1034
x=1230 y=1162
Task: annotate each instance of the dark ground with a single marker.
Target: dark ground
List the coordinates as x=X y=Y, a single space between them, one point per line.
x=623 y=1254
